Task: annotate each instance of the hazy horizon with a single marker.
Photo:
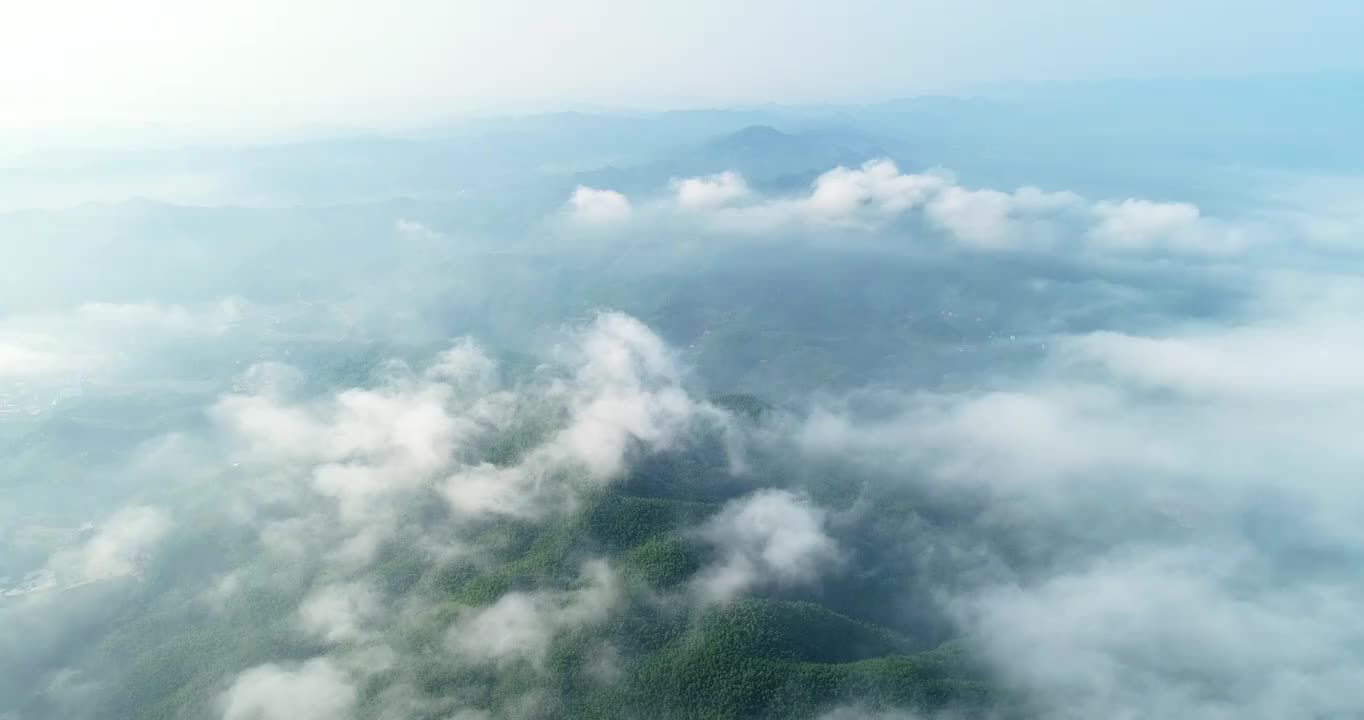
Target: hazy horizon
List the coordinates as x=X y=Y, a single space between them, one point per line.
x=168 y=132
x=259 y=66
x=869 y=361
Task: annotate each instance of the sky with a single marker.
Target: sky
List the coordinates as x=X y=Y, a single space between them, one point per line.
x=258 y=64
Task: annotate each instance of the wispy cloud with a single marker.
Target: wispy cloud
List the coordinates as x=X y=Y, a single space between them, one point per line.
x=339 y=612
x=520 y=625
x=772 y=538
x=115 y=548
x=413 y=229
x=1136 y=225
x=1184 y=500
x=315 y=690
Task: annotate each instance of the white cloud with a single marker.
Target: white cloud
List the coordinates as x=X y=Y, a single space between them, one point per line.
x=373 y=452
x=757 y=219
x=990 y=219
x=271 y=379
x=590 y=206
x=519 y=626
x=1317 y=359
x=465 y=366
x=710 y=191
x=1324 y=210
x=413 y=229
x=1236 y=407
x=876 y=190
x=370 y=452
x=486 y=489
x=117 y=547
x=19 y=362
x=94 y=336
x=1137 y=225
x=624 y=392
x=768 y=538
x=74 y=693
x=121 y=540
x=1188 y=503
x=314 y=690
x=978 y=217
x=876 y=193
x=626 y=388
x=361 y=447
x=340 y=612
x=1177 y=633
x=118 y=318
x=865 y=197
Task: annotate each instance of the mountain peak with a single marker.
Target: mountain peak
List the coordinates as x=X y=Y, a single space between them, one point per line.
x=755 y=136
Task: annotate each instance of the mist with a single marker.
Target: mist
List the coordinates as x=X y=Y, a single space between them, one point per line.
x=831 y=412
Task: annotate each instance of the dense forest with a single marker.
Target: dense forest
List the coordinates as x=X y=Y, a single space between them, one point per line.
x=653 y=650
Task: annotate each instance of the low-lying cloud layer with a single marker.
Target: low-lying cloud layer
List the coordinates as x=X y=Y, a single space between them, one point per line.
x=877 y=193
x=94 y=338
x=1183 y=505
x=423 y=458
x=1187 y=502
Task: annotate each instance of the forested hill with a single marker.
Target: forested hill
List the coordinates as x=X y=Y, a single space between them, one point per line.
x=620 y=607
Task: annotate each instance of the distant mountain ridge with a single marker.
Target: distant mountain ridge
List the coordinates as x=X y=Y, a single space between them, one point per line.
x=764 y=155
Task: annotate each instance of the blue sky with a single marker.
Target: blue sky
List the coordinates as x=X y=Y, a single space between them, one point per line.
x=259 y=63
